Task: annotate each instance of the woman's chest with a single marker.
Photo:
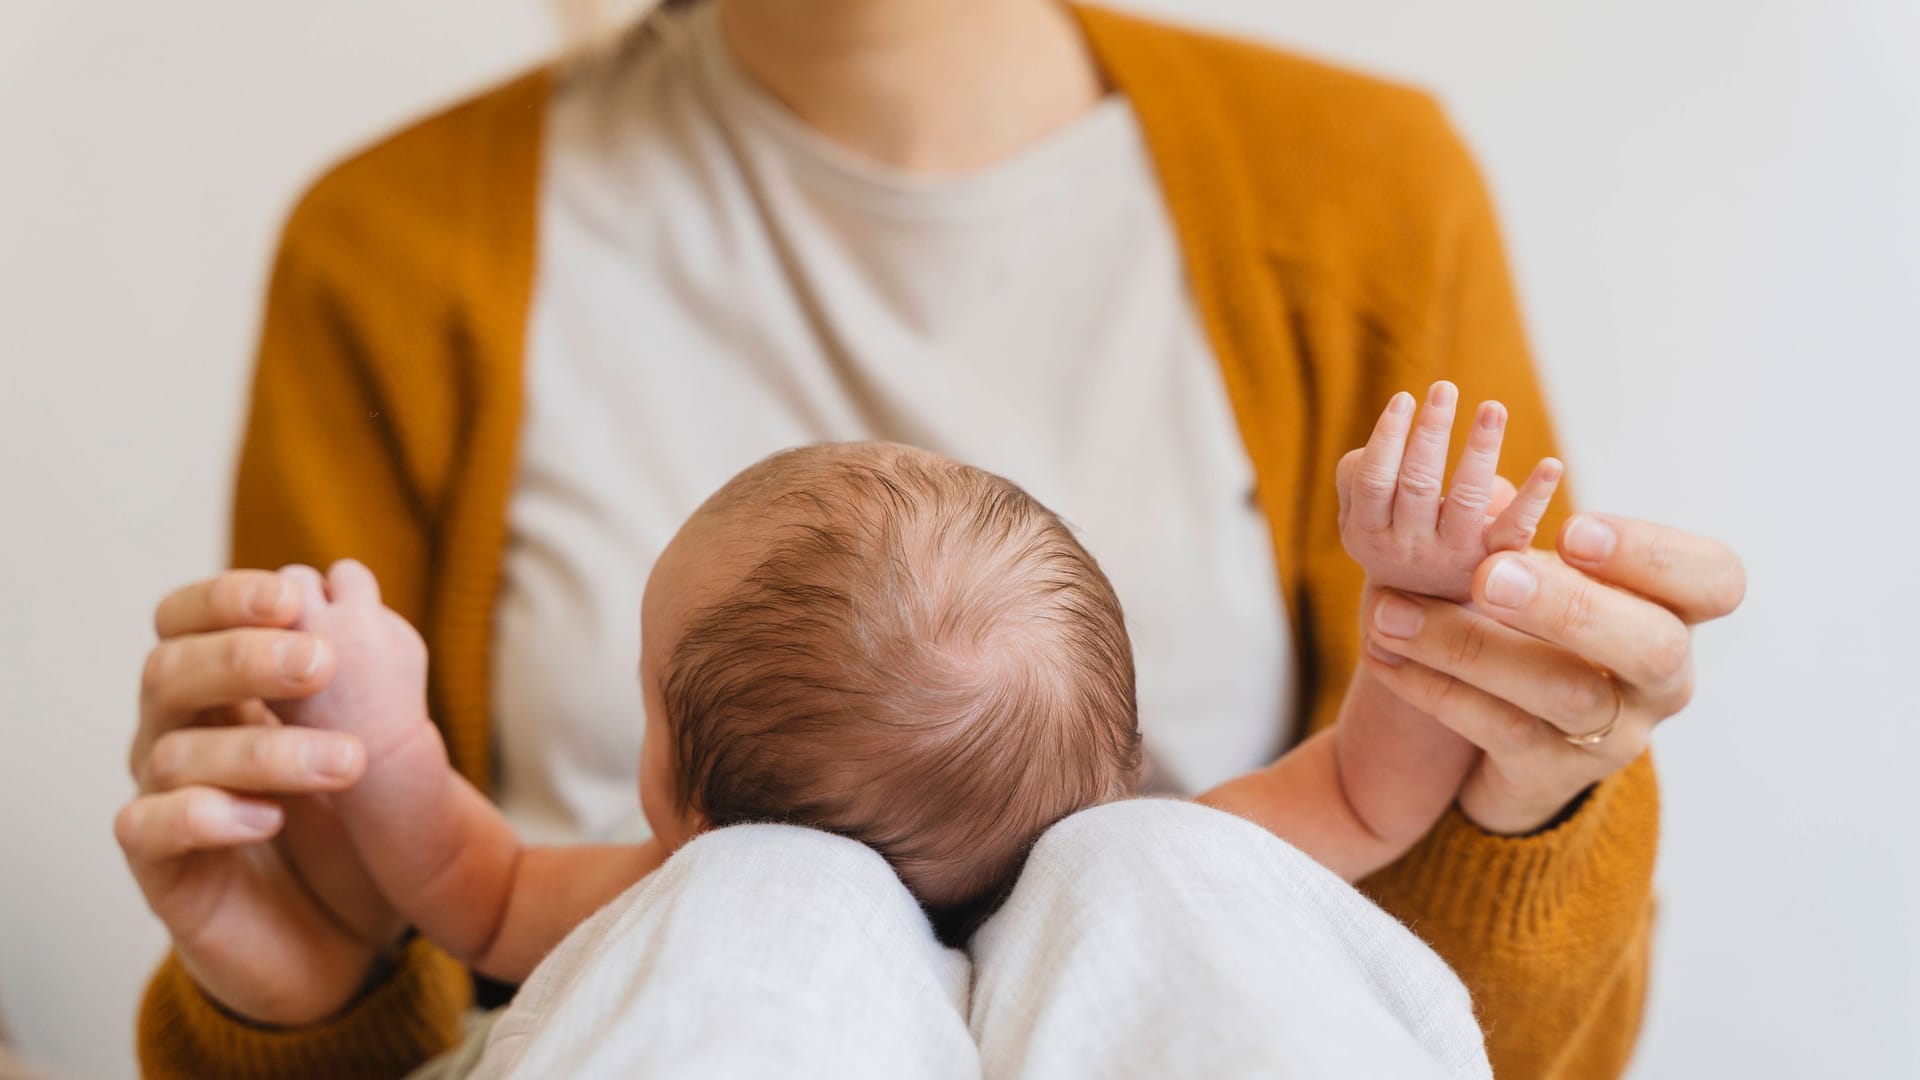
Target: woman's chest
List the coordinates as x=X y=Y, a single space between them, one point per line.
x=720 y=322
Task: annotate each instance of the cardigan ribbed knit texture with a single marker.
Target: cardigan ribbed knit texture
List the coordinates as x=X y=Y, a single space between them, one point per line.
x=1340 y=245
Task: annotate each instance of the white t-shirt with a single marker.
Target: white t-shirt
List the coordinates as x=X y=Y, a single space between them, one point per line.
x=716 y=281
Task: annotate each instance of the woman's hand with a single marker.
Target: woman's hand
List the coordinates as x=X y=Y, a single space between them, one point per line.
x=231 y=836
x=1555 y=651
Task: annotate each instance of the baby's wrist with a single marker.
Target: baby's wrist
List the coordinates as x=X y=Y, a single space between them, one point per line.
x=1412 y=584
x=409 y=739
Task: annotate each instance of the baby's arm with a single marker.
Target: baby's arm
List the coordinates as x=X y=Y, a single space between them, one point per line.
x=441 y=853
x=555 y=889
x=1359 y=794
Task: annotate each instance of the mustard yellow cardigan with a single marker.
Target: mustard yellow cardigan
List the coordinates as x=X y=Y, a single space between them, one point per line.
x=1339 y=244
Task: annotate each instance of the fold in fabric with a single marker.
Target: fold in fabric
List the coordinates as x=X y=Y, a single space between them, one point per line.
x=1148 y=938
x=756 y=951
x=1156 y=938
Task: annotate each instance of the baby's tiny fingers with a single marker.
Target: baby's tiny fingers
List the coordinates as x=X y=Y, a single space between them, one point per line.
x=1513 y=530
x=1463 y=518
x=1376 y=473
x=312 y=586
x=349 y=581
x=1343 y=480
x=1416 y=504
x=1503 y=496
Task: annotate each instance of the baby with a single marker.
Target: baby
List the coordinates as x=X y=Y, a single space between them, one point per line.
x=879 y=642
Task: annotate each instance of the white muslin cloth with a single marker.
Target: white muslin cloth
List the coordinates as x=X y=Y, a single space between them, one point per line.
x=1147 y=938
x=1156 y=938
x=756 y=951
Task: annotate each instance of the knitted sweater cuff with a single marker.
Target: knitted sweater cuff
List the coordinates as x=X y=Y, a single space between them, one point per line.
x=1591 y=872
x=411 y=1016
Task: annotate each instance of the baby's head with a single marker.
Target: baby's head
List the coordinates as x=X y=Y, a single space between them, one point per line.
x=885 y=644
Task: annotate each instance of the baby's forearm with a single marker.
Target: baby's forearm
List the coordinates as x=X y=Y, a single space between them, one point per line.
x=448 y=860
x=1399 y=768
x=555 y=889
x=442 y=854
x=1358 y=795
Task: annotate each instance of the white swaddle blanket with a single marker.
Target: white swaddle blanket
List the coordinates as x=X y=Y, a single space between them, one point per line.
x=1149 y=938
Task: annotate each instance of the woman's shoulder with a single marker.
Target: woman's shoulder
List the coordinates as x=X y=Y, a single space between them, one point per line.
x=1313 y=134
x=426 y=194
x=1218 y=62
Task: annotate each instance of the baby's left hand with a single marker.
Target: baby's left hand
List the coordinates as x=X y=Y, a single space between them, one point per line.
x=1393 y=520
x=379 y=686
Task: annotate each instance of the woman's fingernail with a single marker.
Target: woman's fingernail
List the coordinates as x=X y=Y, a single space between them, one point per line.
x=256 y=817
x=1442 y=394
x=1588 y=538
x=1396 y=616
x=301 y=657
x=1383 y=655
x=1509 y=583
x=1492 y=415
x=331 y=758
x=267 y=597
x=1401 y=405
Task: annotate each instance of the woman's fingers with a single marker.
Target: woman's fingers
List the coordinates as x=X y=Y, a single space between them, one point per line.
x=201 y=671
x=1529 y=772
x=1464 y=516
x=1481 y=718
x=270 y=760
x=186 y=677
x=235 y=598
x=1637 y=640
x=169 y=824
x=1696 y=578
x=1375 y=475
x=1417 y=502
x=1513 y=530
x=1536 y=678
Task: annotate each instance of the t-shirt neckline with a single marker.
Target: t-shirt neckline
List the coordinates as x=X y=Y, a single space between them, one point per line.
x=1101 y=138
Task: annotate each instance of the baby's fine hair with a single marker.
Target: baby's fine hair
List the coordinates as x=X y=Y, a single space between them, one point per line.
x=917 y=655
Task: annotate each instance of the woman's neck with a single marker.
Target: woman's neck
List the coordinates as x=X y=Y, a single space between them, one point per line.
x=931 y=86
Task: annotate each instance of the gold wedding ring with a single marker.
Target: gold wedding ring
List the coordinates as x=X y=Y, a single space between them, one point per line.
x=1593 y=738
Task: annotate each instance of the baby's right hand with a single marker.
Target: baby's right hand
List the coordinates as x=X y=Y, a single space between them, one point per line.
x=1392 y=518
x=379 y=687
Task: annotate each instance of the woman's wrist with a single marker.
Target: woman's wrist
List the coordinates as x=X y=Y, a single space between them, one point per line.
x=1514 y=823
x=382 y=963
x=386 y=962
x=409 y=1012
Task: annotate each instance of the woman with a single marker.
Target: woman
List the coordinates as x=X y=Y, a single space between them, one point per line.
x=1161 y=279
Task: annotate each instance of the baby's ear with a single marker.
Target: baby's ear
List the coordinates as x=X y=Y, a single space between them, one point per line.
x=698 y=822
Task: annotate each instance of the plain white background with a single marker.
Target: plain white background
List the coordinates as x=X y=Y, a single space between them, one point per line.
x=1712 y=210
